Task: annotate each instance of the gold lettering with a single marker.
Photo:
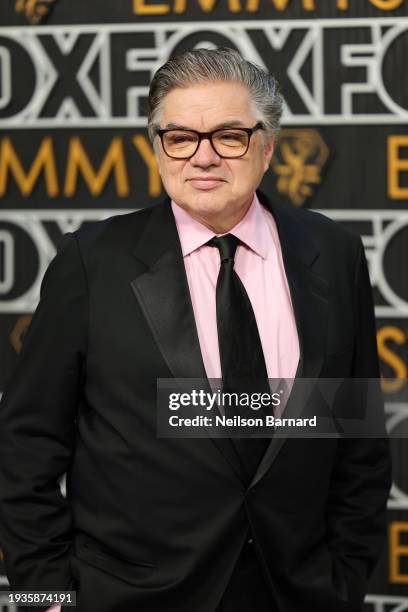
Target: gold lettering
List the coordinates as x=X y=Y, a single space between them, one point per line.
x=140 y=8
x=78 y=161
x=387 y=5
x=146 y=151
x=44 y=162
x=180 y=6
x=384 y=5
x=397 y=550
x=395 y=362
x=280 y=5
x=396 y=165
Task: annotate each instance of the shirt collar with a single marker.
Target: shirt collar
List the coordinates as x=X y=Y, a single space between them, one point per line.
x=251 y=230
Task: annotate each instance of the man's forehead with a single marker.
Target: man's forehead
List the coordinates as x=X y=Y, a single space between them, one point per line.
x=215 y=104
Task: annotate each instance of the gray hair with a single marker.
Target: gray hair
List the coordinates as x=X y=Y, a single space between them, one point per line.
x=206 y=65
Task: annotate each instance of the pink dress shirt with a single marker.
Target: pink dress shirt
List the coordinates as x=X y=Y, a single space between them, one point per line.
x=259 y=264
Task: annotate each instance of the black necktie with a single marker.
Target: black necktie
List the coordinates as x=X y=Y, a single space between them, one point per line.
x=242 y=359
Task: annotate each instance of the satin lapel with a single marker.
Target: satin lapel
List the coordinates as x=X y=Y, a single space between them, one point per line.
x=164 y=297
x=309 y=294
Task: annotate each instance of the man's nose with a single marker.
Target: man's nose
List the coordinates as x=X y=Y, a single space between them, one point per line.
x=205 y=154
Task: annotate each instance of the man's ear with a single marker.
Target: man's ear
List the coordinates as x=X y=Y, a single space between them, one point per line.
x=157 y=156
x=269 y=148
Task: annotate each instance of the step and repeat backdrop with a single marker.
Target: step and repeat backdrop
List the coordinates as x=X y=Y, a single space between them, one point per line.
x=74 y=78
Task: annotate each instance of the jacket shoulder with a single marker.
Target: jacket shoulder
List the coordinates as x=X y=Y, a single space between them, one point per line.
x=338 y=243
x=117 y=231
x=319 y=225
x=315 y=228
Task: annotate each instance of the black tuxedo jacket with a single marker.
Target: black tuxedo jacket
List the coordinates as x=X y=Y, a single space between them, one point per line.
x=154 y=524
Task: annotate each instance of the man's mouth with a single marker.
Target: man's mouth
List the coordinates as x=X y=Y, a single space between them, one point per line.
x=206 y=182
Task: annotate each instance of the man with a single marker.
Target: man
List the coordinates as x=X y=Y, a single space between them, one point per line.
x=177 y=524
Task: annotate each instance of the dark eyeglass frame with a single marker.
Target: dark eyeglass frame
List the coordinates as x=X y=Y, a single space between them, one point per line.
x=209 y=136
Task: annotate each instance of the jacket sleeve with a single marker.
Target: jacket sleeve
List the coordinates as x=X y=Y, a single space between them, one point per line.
x=37 y=430
x=361 y=479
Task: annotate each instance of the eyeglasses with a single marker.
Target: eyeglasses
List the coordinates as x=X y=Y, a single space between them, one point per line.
x=228 y=143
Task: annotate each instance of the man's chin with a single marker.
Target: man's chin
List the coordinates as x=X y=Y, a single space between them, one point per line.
x=204 y=206
x=210 y=203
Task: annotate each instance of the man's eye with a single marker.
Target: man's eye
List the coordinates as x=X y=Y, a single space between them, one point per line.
x=231 y=138
x=177 y=139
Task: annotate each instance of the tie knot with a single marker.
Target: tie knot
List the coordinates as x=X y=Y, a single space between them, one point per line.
x=227 y=245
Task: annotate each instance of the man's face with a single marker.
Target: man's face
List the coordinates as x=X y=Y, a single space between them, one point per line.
x=207 y=186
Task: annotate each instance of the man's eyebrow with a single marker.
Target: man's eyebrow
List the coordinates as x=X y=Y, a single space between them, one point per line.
x=225 y=124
